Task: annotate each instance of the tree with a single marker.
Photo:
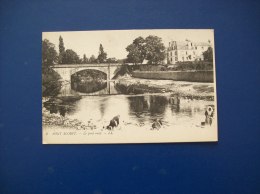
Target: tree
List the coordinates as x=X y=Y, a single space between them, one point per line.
x=112 y=60
x=208 y=55
x=155 y=50
x=102 y=56
x=61 y=50
x=51 y=84
x=151 y=48
x=70 y=57
x=61 y=45
x=136 y=51
x=92 y=59
x=49 y=54
x=85 y=59
x=50 y=79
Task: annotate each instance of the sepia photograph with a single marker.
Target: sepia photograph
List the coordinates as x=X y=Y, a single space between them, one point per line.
x=129 y=86
x=131 y=97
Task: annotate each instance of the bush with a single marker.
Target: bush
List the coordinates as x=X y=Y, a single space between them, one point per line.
x=50 y=82
x=192 y=65
x=146 y=67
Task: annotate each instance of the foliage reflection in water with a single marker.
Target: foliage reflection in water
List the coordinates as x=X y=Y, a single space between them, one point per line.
x=137 y=110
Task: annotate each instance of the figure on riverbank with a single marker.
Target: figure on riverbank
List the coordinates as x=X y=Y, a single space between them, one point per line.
x=209 y=115
x=157 y=124
x=113 y=122
x=174 y=99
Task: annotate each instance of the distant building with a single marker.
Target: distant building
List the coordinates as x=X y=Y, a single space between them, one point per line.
x=179 y=51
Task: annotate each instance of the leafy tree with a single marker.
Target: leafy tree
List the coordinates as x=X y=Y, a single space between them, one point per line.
x=151 y=48
x=136 y=51
x=208 y=55
x=50 y=79
x=70 y=57
x=85 y=59
x=61 y=45
x=51 y=84
x=102 y=56
x=49 y=54
x=61 y=50
x=155 y=50
x=92 y=59
x=111 y=60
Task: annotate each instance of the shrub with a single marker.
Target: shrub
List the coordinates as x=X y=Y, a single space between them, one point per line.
x=192 y=65
x=50 y=82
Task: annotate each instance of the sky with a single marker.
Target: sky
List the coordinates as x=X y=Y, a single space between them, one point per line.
x=115 y=41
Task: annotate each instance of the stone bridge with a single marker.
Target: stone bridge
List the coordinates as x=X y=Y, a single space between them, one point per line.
x=67 y=70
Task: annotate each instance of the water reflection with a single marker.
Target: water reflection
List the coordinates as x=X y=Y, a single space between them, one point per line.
x=101 y=88
x=158 y=105
x=138 y=104
x=138 y=111
x=61 y=108
x=88 y=86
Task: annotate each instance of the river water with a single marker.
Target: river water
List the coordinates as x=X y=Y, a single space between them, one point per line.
x=181 y=118
x=138 y=111
x=67 y=90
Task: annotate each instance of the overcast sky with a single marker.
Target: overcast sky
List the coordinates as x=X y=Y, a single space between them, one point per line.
x=115 y=41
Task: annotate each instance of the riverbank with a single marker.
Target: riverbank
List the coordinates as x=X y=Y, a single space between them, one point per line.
x=55 y=119
x=182 y=88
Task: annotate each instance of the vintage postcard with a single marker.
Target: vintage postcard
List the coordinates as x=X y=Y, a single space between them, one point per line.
x=129 y=86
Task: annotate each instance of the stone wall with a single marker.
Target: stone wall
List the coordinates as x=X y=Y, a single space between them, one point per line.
x=192 y=76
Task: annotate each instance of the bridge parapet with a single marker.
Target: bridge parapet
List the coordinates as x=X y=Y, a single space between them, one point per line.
x=87 y=65
x=66 y=70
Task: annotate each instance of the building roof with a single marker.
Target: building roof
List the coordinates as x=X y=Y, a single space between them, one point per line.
x=183 y=45
x=201 y=44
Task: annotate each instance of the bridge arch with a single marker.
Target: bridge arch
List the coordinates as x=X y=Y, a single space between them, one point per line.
x=67 y=70
x=89 y=81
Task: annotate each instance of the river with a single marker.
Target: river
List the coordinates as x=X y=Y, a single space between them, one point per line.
x=182 y=117
x=135 y=110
